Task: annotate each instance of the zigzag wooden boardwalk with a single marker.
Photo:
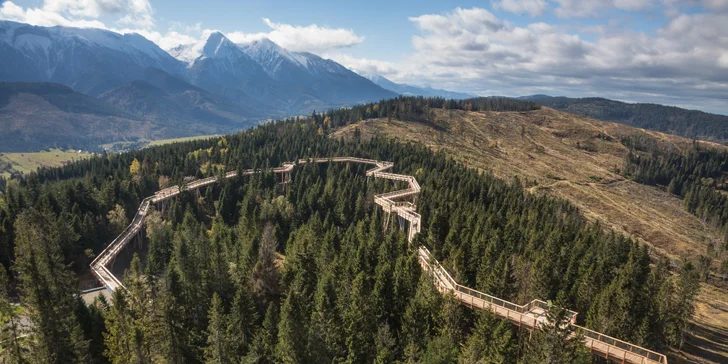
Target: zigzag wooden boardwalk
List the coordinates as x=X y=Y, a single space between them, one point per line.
x=528 y=316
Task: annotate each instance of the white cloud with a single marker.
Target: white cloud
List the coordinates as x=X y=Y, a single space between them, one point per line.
x=84 y=8
x=365 y=66
x=310 y=38
x=139 y=14
x=81 y=13
x=472 y=50
x=40 y=16
x=533 y=8
x=716 y=4
x=592 y=8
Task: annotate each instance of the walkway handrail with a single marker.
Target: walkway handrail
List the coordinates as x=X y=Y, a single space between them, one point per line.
x=522 y=314
x=649 y=354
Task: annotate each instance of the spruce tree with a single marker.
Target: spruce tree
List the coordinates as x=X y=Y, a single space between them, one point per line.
x=12 y=346
x=47 y=288
x=241 y=321
x=219 y=343
x=555 y=342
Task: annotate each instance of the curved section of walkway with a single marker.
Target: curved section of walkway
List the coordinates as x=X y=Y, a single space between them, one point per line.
x=529 y=316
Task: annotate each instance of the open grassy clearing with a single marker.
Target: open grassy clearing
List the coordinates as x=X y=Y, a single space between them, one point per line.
x=709 y=342
x=179 y=140
x=145 y=143
x=577 y=159
x=29 y=162
x=11 y=163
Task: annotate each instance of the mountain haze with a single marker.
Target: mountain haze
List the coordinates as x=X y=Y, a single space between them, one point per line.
x=167 y=100
x=410 y=90
x=36 y=116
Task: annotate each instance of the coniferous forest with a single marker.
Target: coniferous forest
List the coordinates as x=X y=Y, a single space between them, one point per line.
x=247 y=272
x=698 y=176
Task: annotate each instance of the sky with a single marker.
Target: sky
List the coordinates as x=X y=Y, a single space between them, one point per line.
x=663 y=51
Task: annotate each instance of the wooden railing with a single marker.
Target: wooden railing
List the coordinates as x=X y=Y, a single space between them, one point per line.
x=530 y=315
x=99 y=266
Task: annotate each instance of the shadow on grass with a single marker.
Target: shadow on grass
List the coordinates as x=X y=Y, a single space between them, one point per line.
x=707 y=342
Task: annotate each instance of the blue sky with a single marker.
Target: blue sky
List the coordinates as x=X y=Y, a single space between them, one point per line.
x=664 y=51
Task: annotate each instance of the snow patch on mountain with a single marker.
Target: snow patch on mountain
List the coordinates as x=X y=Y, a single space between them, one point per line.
x=271 y=56
x=187 y=53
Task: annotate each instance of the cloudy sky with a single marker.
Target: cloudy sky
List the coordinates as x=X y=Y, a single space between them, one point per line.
x=664 y=51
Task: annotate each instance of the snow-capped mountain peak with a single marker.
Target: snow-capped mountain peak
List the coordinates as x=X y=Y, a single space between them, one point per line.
x=261 y=73
x=215 y=46
x=78 y=57
x=271 y=56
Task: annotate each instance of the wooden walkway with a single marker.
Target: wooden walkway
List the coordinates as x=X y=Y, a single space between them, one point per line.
x=528 y=316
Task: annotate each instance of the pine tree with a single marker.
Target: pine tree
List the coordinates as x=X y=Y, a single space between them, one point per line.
x=169 y=334
x=241 y=321
x=440 y=350
x=553 y=342
x=358 y=324
x=123 y=339
x=13 y=349
x=265 y=272
x=262 y=350
x=687 y=288
x=493 y=342
x=219 y=343
x=291 y=345
x=47 y=288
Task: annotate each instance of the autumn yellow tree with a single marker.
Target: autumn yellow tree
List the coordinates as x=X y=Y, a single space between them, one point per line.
x=135 y=166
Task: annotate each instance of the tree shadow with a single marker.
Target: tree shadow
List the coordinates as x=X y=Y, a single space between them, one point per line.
x=707 y=342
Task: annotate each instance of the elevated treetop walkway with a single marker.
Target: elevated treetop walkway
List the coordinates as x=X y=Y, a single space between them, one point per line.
x=529 y=316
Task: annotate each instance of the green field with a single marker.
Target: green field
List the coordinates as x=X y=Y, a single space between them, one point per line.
x=11 y=163
x=28 y=162
x=146 y=143
x=179 y=140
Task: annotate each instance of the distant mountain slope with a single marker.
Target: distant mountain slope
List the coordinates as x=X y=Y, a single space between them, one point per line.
x=91 y=61
x=688 y=123
x=36 y=116
x=166 y=100
x=328 y=81
x=219 y=65
x=409 y=90
x=291 y=82
x=257 y=76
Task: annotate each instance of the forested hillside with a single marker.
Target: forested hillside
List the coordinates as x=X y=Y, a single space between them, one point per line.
x=669 y=119
x=35 y=116
x=698 y=176
x=247 y=272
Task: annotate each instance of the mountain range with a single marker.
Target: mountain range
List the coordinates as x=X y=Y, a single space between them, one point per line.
x=215 y=86
x=411 y=90
x=35 y=116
